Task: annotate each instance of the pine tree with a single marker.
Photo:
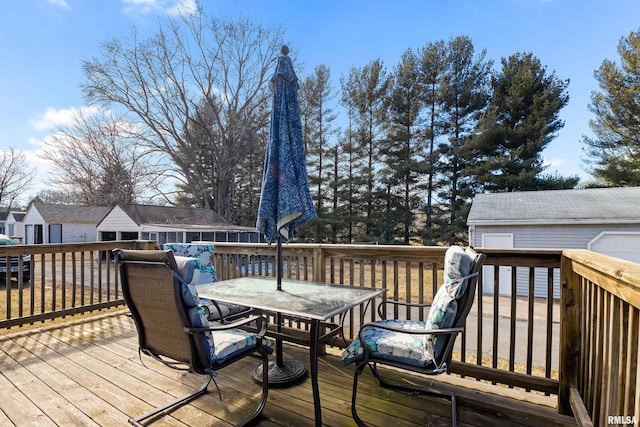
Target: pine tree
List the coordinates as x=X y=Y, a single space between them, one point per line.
x=316 y=95
x=522 y=119
x=368 y=88
x=433 y=63
x=401 y=148
x=466 y=94
x=352 y=191
x=614 y=150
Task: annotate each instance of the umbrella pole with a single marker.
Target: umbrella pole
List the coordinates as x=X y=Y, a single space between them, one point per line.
x=282 y=372
x=279 y=270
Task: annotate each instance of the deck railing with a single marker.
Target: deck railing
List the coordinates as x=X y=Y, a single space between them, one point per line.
x=599 y=350
x=510 y=339
x=582 y=347
x=60 y=280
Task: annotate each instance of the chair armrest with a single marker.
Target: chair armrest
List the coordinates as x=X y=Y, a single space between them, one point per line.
x=402 y=303
x=218 y=309
x=261 y=322
x=443 y=331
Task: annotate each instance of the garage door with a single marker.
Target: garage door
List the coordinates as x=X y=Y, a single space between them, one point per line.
x=623 y=245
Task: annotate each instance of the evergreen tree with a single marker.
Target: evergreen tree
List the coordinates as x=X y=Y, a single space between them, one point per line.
x=465 y=95
x=352 y=192
x=522 y=119
x=368 y=88
x=401 y=149
x=433 y=63
x=614 y=150
x=316 y=95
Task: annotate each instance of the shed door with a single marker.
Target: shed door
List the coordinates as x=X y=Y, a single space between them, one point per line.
x=55 y=233
x=498 y=241
x=623 y=245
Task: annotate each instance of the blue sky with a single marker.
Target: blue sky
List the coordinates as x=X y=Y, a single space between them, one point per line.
x=43 y=43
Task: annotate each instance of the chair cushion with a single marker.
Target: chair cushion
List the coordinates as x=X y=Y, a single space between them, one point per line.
x=222 y=345
x=206 y=274
x=391 y=345
x=188 y=270
x=457 y=264
x=442 y=314
x=202 y=251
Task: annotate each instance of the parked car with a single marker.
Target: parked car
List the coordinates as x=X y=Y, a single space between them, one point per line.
x=15 y=263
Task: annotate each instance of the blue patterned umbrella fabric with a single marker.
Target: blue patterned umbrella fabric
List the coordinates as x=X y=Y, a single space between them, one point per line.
x=285 y=200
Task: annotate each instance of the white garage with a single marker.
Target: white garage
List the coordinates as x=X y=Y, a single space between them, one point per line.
x=604 y=220
x=624 y=245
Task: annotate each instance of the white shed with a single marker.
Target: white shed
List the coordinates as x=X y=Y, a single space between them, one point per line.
x=605 y=220
x=51 y=223
x=15 y=225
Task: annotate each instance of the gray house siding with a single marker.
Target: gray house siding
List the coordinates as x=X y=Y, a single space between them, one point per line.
x=569 y=236
x=606 y=220
x=564 y=236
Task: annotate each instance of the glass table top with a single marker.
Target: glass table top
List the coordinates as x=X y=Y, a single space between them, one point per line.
x=312 y=300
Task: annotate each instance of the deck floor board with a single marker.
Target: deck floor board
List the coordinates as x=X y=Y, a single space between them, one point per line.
x=89 y=373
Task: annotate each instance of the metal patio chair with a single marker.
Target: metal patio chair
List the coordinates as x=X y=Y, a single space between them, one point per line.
x=424 y=347
x=174 y=330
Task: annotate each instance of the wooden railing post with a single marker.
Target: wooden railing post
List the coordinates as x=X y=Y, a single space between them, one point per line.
x=319 y=273
x=569 y=334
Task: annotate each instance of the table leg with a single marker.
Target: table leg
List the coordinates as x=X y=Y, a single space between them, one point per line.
x=313 y=361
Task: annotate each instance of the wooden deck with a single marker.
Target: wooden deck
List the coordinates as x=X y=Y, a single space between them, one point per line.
x=88 y=373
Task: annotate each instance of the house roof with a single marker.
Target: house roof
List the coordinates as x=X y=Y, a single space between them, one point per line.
x=592 y=205
x=171 y=215
x=69 y=213
x=18 y=216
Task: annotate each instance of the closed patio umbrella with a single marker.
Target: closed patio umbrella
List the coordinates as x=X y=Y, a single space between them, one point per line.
x=285 y=199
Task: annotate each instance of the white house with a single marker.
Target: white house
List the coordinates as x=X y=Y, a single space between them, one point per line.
x=50 y=223
x=167 y=224
x=605 y=220
x=14 y=225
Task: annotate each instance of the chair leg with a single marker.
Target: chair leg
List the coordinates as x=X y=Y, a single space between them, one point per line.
x=419 y=390
x=265 y=389
x=354 y=412
x=172 y=405
x=454 y=417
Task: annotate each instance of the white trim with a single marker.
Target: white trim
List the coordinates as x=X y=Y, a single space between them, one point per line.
x=559 y=221
x=611 y=233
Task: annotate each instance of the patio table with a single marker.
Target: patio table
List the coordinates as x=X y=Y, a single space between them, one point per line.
x=315 y=302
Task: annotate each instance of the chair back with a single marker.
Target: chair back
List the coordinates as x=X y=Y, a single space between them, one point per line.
x=154 y=297
x=465 y=302
x=202 y=251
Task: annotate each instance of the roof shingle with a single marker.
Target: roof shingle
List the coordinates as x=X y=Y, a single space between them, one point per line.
x=621 y=204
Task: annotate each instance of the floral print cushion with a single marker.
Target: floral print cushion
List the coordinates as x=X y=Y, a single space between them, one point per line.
x=202 y=251
x=221 y=345
x=391 y=345
x=457 y=266
x=205 y=273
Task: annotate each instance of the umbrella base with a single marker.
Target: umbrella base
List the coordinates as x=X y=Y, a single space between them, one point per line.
x=289 y=373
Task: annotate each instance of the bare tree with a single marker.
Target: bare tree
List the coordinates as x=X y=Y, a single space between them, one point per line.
x=101 y=161
x=198 y=82
x=16 y=176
